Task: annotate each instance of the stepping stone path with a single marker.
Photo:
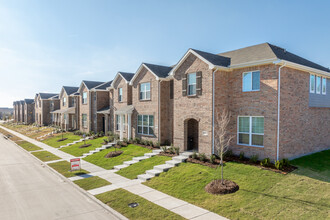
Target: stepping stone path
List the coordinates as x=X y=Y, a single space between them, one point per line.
x=164 y=167
x=136 y=159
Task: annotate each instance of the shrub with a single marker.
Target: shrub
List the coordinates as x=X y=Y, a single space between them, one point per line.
x=285 y=162
x=157 y=144
x=172 y=150
x=77 y=133
x=101 y=134
x=278 y=165
x=254 y=158
x=150 y=143
x=177 y=150
x=265 y=162
x=131 y=141
x=202 y=157
x=106 y=140
x=241 y=155
x=212 y=158
x=125 y=140
x=163 y=149
x=137 y=140
x=91 y=133
x=228 y=153
x=110 y=139
x=194 y=155
x=109 y=133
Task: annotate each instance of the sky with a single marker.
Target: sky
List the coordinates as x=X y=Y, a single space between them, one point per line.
x=47 y=44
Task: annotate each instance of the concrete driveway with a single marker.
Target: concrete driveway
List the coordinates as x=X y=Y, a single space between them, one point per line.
x=31 y=191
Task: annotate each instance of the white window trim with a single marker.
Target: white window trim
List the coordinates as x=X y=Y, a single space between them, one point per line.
x=120 y=94
x=249 y=133
x=191 y=84
x=83 y=99
x=318 y=92
x=252 y=90
x=145 y=92
x=146 y=126
x=310 y=83
x=64 y=101
x=324 y=92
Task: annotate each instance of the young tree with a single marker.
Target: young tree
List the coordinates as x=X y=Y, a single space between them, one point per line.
x=222 y=135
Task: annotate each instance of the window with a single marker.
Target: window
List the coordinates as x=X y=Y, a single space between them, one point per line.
x=251 y=130
x=312 y=83
x=84 y=98
x=120 y=94
x=318 y=85
x=192 y=84
x=84 y=120
x=145 y=91
x=118 y=118
x=72 y=101
x=64 y=101
x=251 y=81
x=324 y=86
x=146 y=124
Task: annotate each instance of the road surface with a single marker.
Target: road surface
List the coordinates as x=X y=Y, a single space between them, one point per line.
x=28 y=190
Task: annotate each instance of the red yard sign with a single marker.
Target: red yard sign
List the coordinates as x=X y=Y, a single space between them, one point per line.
x=75 y=164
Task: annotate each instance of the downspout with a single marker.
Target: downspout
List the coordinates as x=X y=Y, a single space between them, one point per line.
x=159 y=110
x=213 y=94
x=278 y=109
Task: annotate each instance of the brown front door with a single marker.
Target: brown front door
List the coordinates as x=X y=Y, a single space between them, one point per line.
x=192 y=135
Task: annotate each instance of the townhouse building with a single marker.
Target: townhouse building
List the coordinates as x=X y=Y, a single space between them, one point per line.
x=16 y=111
x=29 y=111
x=21 y=111
x=45 y=103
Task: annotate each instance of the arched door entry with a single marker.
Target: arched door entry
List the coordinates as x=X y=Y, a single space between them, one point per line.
x=192 y=134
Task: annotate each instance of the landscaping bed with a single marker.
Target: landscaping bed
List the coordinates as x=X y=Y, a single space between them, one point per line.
x=92 y=182
x=45 y=156
x=63 y=167
x=119 y=199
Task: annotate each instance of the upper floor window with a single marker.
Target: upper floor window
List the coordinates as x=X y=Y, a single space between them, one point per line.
x=324 y=86
x=73 y=101
x=64 y=101
x=318 y=85
x=84 y=98
x=312 y=83
x=145 y=91
x=251 y=81
x=120 y=94
x=250 y=130
x=192 y=84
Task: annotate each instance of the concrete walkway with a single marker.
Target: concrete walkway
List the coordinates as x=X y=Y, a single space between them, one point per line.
x=173 y=204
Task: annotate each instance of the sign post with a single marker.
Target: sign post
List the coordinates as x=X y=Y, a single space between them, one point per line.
x=75 y=164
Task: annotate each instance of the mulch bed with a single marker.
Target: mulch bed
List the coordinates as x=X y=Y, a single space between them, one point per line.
x=167 y=154
x=218 y=188
x=85 y=145
x=113 y=154
x=205 y=163
x=62 y=139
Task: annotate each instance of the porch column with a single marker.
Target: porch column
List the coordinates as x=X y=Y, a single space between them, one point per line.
x=121 y=116
x=129 y=115
x=106 y=124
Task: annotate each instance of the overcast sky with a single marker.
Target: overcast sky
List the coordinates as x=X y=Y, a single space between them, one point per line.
x=45 y=44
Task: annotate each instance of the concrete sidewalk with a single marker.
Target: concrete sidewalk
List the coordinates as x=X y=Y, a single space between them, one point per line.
x=173 y=204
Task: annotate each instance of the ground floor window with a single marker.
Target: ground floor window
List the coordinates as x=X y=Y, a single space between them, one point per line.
x=250 y=130
x=146 y=124
x=118 y=118
x=84 y=120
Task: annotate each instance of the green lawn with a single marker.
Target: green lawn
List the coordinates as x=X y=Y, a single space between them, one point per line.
x=45 y=156
x=76 y=151
x=63 y=167
x=108 y=163
x=141 y=167
x=263 y=194
x=28 y=146
x=119 y=199
x=316 y=165
x=53 y=141
x=91 y=182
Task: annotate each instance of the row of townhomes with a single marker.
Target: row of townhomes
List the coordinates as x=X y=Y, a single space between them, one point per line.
x=279 y=103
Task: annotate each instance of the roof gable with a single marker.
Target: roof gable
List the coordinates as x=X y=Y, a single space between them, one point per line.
x=157 y=70
x=89 y=85
x=103 y=86
x=47 y=95
x=126 y=76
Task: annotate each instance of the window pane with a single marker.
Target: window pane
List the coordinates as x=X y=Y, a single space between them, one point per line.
x=247 y=82
x=191 y=78
x=151 y=120
x=151 y=130
x=141 y=95
x=147 y=95
x=145 y=120
x=318 y=84
x=257 y=140
x=244 y=139
x=192 y=90
x=244 y=124
x=145 y=130
x=256 y=80
x=147 y=85
x=139 y=129
x=312 y=83
x=324 y=85
x=140 y=120
x=258 y=125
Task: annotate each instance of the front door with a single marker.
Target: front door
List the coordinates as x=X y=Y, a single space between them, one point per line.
x=192 y=135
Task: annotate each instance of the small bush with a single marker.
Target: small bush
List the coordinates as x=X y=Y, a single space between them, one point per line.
x=278 y=165
x=151 y=144
x=212 y=158
x=137 y=140
x=106 y=140
x=111 y=139
x=163 y=149
x=131 y=141
x=101 y=134
x=109 y=133
x=157 y=144
x=177 y=150
x=285 y=162
x=228 y=153
x=241 y=155
x=172 y=150
x=125 y=140
x=254 y=158
x=265 y=162
x=194 y=155
x=91 y=133
x=202 y=157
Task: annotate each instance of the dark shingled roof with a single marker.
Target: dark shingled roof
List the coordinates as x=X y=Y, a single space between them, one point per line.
x=47 y=95
x=103 y=86
x=214 y=58
x=28 y=101
x=70 y=89
x=21 y=101
x=160 y=71
x=267 y=51
x=127 y=76
x=92 y=84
